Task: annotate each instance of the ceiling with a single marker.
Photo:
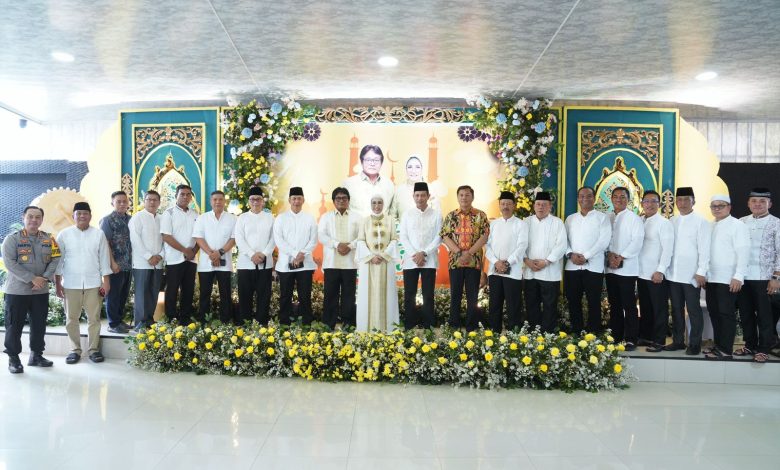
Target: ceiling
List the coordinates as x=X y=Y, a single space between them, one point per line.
x=144 y=53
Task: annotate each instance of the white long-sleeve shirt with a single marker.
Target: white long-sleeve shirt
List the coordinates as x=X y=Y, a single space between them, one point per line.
x=254 y=234
x=508 y=241
x=146 y=239
x=293 y=234
x=216 y=233
x=691 y=255
x=589 y=236
x=729 y=251
x=84 y=258
x=419 y=231
x=546 y=240
x=657 y=247
x=628 y=233
x=179 y=224
x=334 y=228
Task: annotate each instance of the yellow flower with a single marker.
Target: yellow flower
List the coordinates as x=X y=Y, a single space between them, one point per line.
x=162 y=328
x=489 y=343
x=238 y=352
x=513 y=346
x=179 y=334
x=457 y=334
x=583 y=344
x=426 y=348
x=192 y=326
x=472 y=334
x=621 y=347
x=256 y=341
x=504 y=362
x=571 y=357
x=470 y=364
x=417 y=341
x=213 y=338
x=543 y=367
x=234 y=339
x=571 y=348
x=288 y=343
x=434 y=345
x=463 y=356
x=555 y=352
x=156 y=345
x=593 y=360
x=270 y=351
x=562 y=334
x=141 y=346
x=488 y=357
x=240 y=332
x=540 y=347
x=250 y=349
x=176 y=356
x=469 y=344
x=209 y=345
x=524 y=339
x=140 y=336
x=220 y=334
x=502 y=339
x=411 y=350
x=227 y=363
x=590 y=337
x=535 y=161
x=600 y=348
x=529 y=116
x=610 y=347
x=169 y=344
x=191 y=345
x=521 y=182
x=610 y=339
x=453 y=345
x=526 y=360
x=442 y=360
x=152 y=337
x=270 y=339
x=207 y=329
x=618 y=368
x=540 y=339
x=488 y=333
x=194 y=360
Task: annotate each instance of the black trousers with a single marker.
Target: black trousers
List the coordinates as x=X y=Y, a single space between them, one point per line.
x=17 y=307
x=541 y=303
x=504 y=290
x=623 y=314
x=755 y=311
x=300 y=280
x=684 y=296
x=225 y=301
x=575 y=284
x=654 y=310
x=467 y=278
x=254 y=290
x=424 y=316
x=117 y=296
x=339 y=302
x=180 y=277
x=722 y=307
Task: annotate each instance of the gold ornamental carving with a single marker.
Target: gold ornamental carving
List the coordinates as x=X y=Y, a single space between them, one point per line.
x=189 y=137
x=667 y=203
x=127 y=185
x=390 y=114
x=645 y=142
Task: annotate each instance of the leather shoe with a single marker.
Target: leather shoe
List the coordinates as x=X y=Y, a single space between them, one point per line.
x=674 y=347
x=72 y=358
x=96 y=357
x=655 y=348
x=15 y=365
x=693 y=351
x=37 y=360
x=629 y=346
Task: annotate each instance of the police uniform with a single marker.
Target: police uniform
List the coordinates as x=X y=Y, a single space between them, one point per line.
x=26 y=257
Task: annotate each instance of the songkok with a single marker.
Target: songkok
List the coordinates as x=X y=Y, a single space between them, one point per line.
x=543 y=196
x=420 y=186
x=81 y=206
x=760 y=192
x=685 y=191
x=506 y=195
x=721 y=197
x=255 y=191
x=296 y=191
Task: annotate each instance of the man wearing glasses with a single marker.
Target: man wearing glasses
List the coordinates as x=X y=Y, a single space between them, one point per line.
x=369 y=182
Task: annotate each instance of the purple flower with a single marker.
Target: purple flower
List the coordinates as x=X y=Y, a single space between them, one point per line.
x=311 y=131
x=467 y=133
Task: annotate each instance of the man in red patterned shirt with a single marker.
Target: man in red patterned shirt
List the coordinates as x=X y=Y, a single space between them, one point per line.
x=465 y=232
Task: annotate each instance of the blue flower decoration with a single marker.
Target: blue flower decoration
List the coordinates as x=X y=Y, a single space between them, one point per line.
x=264 y=178
x=540 y=127
x=276 y=108
x=233 y=152
x=246 y=132
x=536 y=104
x=514 y=116
x=515 y=122
x=501 y=118
x=522 y=172
x=252 y=118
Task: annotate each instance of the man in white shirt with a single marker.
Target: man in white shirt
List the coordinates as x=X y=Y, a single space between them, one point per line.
x=369 y=182
x=763 y=277
x=543 y=263
x=214 y=234
x=589 y=232
x=730 y=246
x=176 y=225
x=83 y=279
x=628 y=233
x=338 y=232
x=419 y=234
x=505 y=250
x=255 y=241
x=652 y=287
x=147 y=260
x=295 y=234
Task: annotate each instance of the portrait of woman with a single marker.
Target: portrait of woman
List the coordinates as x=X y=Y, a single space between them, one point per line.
x=403 y=192
x=377 y=299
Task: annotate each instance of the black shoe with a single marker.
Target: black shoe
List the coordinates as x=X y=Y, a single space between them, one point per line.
x=693 y=351
x=37 y=360
x=656 y=348
x=674 y=347
x=72 y=358
x=119 y=329
x=644 y=342
x=15 y=365
x=630 y=346
x=96 y=357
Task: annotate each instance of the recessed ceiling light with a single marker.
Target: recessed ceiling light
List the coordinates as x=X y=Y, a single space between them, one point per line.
x=706 y=76
x=62 y=56
x=387 y=61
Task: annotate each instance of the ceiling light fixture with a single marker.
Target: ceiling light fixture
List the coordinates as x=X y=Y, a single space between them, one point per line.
x=387 y=61
x=60 y=56
x=706 y=76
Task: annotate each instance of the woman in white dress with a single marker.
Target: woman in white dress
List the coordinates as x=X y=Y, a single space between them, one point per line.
x=377 y=302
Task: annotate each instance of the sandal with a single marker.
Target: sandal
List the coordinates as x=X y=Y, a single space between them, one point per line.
x=743 y=352
x=708 y=350
x=718 y=355
x=761 y=357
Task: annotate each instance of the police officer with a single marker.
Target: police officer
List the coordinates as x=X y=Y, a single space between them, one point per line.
x=30 y=256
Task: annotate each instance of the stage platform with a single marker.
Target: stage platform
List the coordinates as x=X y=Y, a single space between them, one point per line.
x=672 y=367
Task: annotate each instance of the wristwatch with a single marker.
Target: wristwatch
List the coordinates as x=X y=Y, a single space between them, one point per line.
x=221 y=252
x=775 y=277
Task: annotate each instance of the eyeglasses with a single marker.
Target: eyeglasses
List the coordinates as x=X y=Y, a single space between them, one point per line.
x=341 y=198
x=372 y=160
x=717 y=207
x=255 y=199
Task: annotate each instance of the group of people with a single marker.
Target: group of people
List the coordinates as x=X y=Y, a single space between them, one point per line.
x=664 y=261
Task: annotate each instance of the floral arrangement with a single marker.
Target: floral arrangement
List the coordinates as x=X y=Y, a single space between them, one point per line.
x=481 y=358
x=519 y=133
x=257 y=137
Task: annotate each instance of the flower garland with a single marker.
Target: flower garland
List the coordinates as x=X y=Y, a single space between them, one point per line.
x=519 y=133
x=257 y=137
x=481 y=358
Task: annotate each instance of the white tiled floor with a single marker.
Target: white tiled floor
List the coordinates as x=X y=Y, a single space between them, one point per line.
x=113 y=416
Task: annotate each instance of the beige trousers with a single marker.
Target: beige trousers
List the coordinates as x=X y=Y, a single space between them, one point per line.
x=91 y=301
